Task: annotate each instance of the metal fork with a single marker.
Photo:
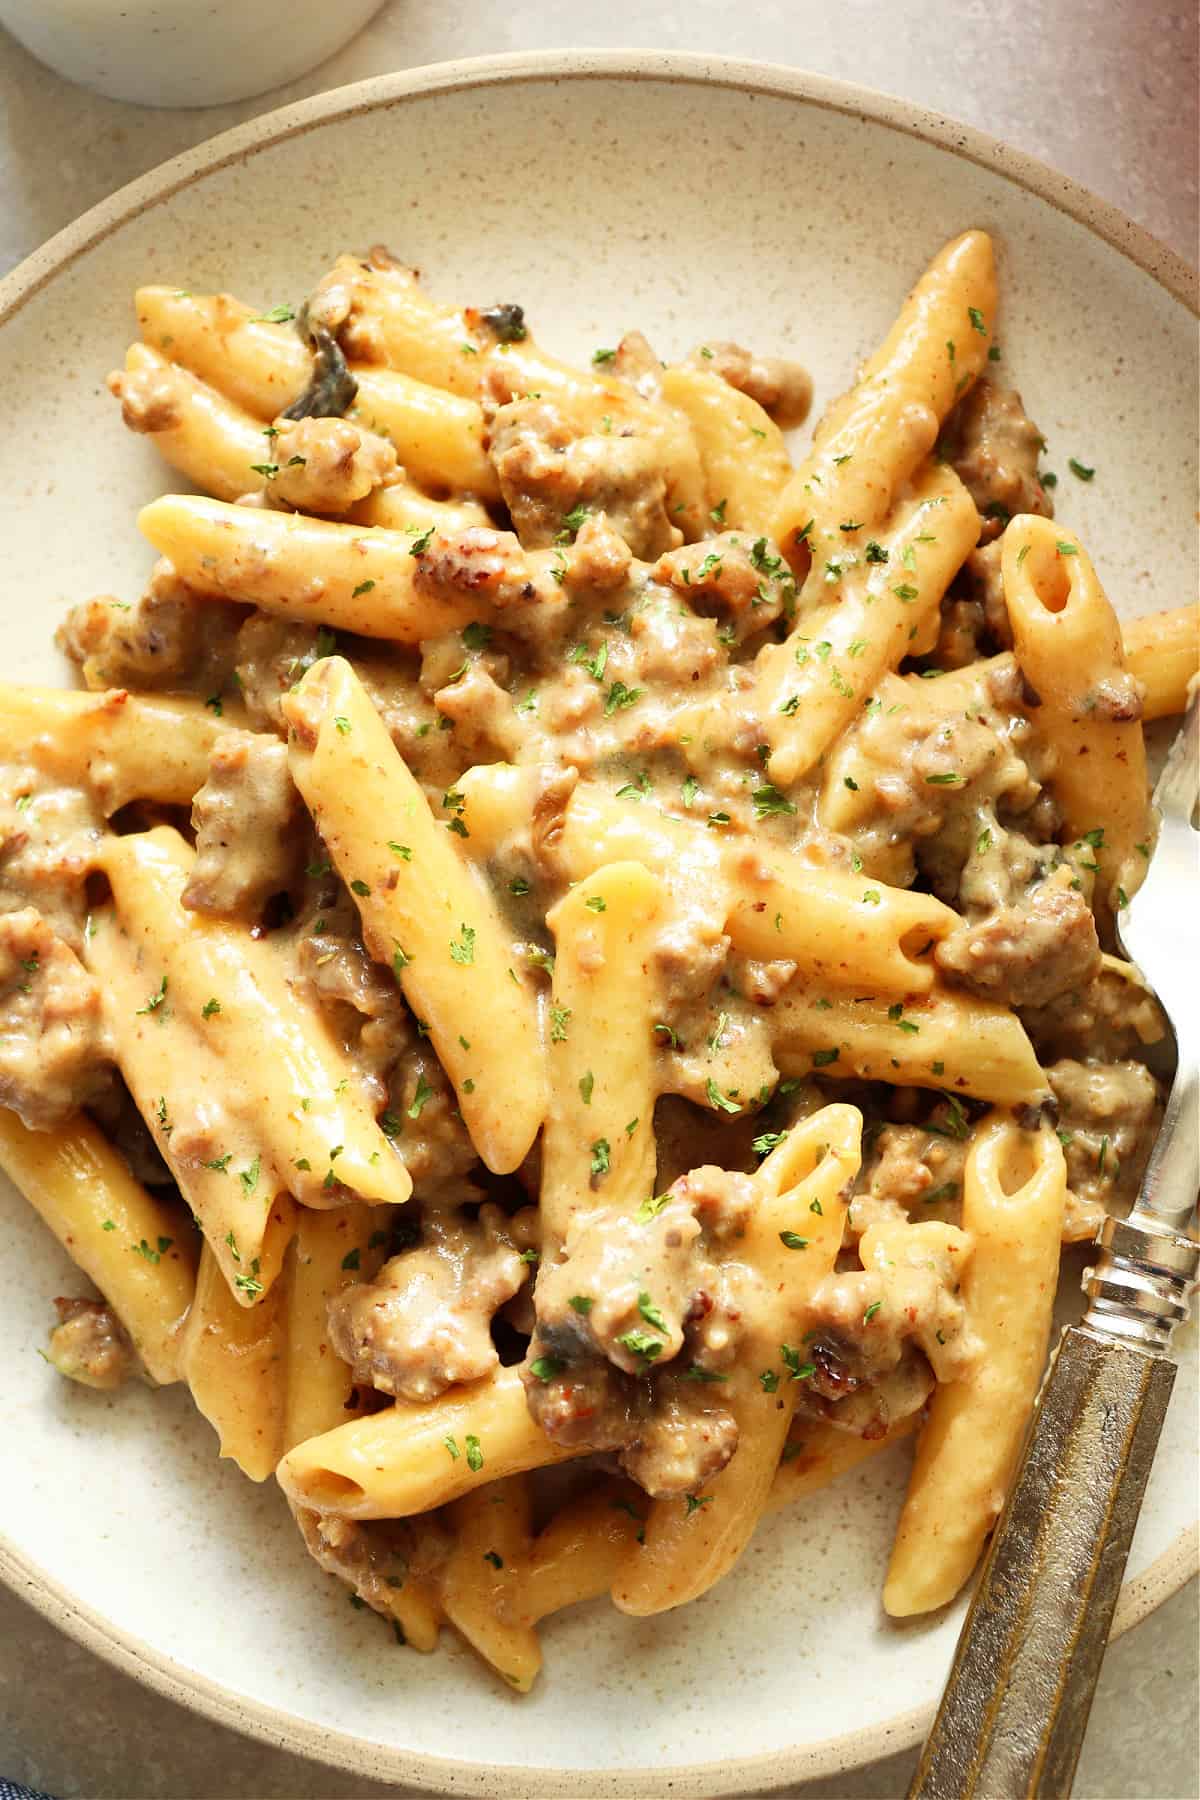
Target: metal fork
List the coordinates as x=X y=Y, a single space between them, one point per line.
x=1016 y=1705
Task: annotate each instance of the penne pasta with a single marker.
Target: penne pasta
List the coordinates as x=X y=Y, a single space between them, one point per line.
x=124 y=1239
x=1162 y=652
x=329 y=1251
x=1068 y=643
x=602 y=1088
x=353 y=578
x=691 y=1543
x=492 y=1529
x=875 y=438
x=208 y=438
x=408 y=1459
x=425 y=910
x=945 y=1040
x=234 y=1360
x=815 y=682
x=288 y=1081
x=121 y=746
x=1014 y=1195
x=742 y=453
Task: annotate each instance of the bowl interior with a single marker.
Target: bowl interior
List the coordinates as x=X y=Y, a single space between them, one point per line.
x=600 y=203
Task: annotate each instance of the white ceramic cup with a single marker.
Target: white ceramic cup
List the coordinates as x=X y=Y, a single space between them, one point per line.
x=183 y=52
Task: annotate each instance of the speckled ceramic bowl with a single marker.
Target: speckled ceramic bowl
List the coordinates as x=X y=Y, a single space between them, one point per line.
x=692 y=198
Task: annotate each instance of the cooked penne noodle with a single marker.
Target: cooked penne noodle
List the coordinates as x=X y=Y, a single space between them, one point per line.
x=285 y=1076
x=208 y=438
x=742 y=452
x=425 y=910
x=1013 y=1199
x=772 y=903
x=234 y=1359
x=691 y=1543
x=408 y=1459
x=1162 y=651
x=492 y=1529
x=944 y=1039
x=351 y=577
x=1068 y=643
x=123 y=1238
x=329 y=1251
x=602 y=1087
x=815 y=682
x=215 y=1156
x=877 y=435
x=121 y=746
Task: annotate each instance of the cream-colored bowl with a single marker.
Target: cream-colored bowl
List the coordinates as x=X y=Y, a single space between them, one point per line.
x=183 y=52
x=693 y=198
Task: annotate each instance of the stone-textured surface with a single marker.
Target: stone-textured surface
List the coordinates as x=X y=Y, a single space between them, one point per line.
x=1105 y=92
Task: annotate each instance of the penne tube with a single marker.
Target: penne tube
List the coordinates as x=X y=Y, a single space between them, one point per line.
x=409 y=1458
x=234 y=1360
x=329 y=1251
x=425 y=910
x=945 y=1040
x=578 y=1554
x=742 y=453
x=814 y=684
x=1162 y=651
x=492 y=1529
x=439 y=437
x=122 y=746
x=1068 y=644
x=261 y=365
x=1014 y=1193
x=208 y=438
x=349 y=577
x=689 y=1544
x=284 y=1074
x=177 y=1082
x=123 y=1238
x=602 y=1057
x=837 y=927
x=875 y=438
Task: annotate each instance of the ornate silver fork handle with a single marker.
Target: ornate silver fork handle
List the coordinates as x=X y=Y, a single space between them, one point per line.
x=1016 y=1705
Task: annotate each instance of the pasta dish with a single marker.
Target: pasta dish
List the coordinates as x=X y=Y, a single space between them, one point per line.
x=554 y=934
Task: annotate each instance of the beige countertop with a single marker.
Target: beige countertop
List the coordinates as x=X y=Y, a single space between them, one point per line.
x=1105 y=90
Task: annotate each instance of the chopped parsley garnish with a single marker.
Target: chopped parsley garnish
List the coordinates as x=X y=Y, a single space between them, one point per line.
x=823 y=1058
x=600 y=1154
x=604 y=356
x=651 y=1313
x=422 y=543
x=641 y=1344
x=719 y=1100
x=768 y=799
x=620 y=697
x=462 y=948
x=452 y=1447
x=668 y=1032
x=871 y=1311
x=791 y=1361
x=770 y=1381
x=560 y=1018
x=976 y=318
x=423 y=1094
x=767 y=1141
x=1080 y=469
x=650 y=1208
x=343 y=724
x=586 y=1084
x=695 y=1501
x=791 y=1240
x=156 y=999
x=545 y=1368
x=351 y=1259
x=582 y=1304
x=278 y=315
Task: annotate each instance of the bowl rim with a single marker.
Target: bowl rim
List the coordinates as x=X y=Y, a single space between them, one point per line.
x=133 y=1656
